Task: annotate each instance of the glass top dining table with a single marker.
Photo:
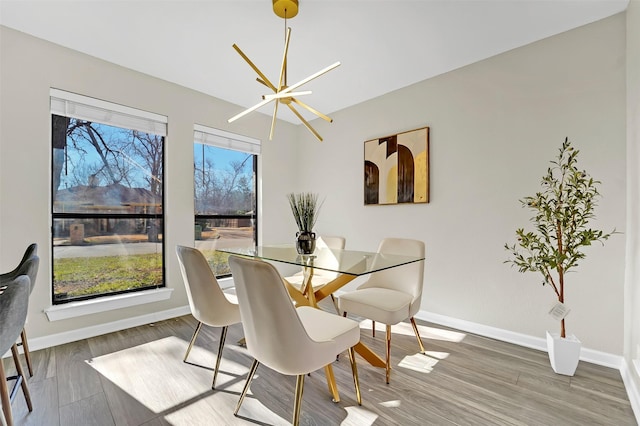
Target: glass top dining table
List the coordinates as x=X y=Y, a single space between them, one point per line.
x=349 y=264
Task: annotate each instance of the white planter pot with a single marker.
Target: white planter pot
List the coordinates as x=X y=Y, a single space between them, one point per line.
x=564 y=354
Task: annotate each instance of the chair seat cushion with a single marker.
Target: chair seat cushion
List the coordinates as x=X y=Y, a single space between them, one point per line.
x=378 y=304
x=324 y=326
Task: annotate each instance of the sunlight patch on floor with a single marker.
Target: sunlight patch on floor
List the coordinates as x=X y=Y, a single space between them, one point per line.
x=255 y=411
x=391 y=404
x=405 y=329
x=358 y=416
x=141 y=370
x=206 y=411
x=437 y=355
x=418 y=362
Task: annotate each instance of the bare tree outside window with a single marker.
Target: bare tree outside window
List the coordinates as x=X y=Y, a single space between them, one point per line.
x=225 y=202
x=107 y=190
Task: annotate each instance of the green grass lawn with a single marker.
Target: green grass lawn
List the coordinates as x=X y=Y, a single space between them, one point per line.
x=81 y=276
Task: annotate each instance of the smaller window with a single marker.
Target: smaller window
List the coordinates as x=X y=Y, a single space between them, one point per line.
x=225 y=169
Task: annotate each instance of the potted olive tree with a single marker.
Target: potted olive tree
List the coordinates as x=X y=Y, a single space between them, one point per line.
x=305 y=208
x=561 y=211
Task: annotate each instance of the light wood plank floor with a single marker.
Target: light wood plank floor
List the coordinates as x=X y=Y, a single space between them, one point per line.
x=137 y=377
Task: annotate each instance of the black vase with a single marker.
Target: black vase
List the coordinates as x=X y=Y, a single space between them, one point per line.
x=305 y=242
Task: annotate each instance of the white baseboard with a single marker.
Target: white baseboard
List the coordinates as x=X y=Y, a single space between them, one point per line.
x=632 y=388
x=588 y=355
x=97 y=330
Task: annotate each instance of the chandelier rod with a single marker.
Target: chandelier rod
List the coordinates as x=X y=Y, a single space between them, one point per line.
x=285 y=40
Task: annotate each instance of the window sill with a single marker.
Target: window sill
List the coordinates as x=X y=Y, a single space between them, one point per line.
x=108 y=303
x=225 y=283
x=636 y=364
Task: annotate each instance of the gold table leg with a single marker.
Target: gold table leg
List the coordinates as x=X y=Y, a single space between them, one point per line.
x=307 y=287
x=369 y=355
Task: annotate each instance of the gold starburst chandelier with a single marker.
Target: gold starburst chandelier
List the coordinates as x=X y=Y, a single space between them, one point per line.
x=282 y=92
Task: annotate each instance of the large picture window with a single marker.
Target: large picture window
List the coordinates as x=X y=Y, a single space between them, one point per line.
x=107 y=198
x=225 y=170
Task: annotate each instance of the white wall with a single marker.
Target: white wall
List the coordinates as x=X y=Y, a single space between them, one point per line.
x=494 y=127
x=28 y=68
x=632 y=287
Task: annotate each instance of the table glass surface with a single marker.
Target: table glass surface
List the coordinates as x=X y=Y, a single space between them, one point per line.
x=350 y=262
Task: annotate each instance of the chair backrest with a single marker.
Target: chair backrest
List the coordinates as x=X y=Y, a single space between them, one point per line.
x=407 y=278
x=206 y=299
x=30 y=268
x=32 y=249
x=332 y=242
x=274 y=334
x=14 y=304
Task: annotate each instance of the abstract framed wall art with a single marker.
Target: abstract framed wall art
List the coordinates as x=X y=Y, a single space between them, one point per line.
x=396 y=168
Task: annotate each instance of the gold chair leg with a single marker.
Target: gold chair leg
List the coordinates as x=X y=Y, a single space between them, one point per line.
x=298 y=399
x=388 y=366
x=331 y=383
x=4 y=396
x=223 y=336
x=193 y=340
x=27 y=354
x=20 y=373
x=415 y=330
x=354 y=370
x=252 y=372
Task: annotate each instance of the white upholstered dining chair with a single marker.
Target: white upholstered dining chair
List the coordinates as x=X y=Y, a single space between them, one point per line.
x=209 y=305
x=292 y=341
x=391 y=295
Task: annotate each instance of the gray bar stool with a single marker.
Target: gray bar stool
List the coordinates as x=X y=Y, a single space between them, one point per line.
x=14 y=303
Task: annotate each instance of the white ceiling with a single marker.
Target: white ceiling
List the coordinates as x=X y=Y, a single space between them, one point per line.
x=382 y=45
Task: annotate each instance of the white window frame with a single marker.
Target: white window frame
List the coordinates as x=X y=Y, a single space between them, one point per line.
x=86 y=108
x=222 y=139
